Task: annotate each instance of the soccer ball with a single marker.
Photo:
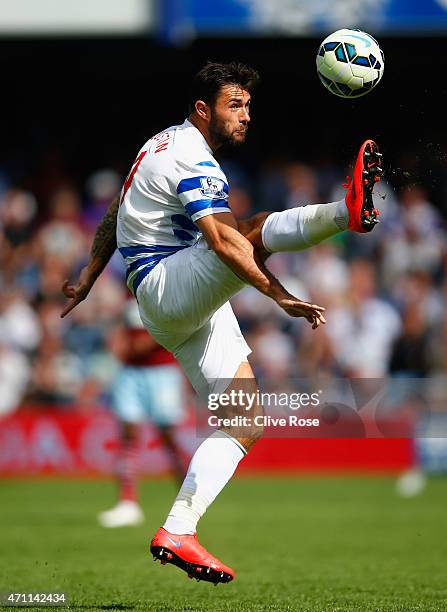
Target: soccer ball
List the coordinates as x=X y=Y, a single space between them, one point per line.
x=350 y=63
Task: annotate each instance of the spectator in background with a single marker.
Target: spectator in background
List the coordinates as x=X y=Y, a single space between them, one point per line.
x=362 y=329
x=18 y=210
x=271 y=192
x=14 y=377
x=56 y=375
x=101 y=187
x=410 y=352
x=273 y=351
x=326 y=274
x=61 y=237
x=418 y=244
x=419 y=287
x=301 y=183
x=19 y=324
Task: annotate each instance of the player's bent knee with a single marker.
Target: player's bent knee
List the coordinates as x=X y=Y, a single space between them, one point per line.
x=252 y=228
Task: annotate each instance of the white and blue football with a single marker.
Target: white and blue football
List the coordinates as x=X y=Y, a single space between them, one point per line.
x=350 y=63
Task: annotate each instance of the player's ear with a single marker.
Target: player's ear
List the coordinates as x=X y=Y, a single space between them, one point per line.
x=202 y=109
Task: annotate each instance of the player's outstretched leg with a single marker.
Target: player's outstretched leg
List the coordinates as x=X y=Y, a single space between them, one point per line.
x=300 y=228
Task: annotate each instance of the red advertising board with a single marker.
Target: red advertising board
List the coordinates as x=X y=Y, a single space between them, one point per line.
x=84 y=442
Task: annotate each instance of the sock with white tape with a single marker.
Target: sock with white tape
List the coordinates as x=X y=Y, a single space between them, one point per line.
x=299 y=228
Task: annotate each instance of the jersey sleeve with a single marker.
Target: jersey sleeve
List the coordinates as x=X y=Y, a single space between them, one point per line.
x=203 y=191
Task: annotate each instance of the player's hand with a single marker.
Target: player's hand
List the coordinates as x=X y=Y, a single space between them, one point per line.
x=296 y=308
x=77 y=293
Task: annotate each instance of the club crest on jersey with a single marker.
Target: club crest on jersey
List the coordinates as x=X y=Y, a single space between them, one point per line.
x=212 y=187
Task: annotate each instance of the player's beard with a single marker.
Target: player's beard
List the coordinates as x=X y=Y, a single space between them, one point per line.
x=221 y=136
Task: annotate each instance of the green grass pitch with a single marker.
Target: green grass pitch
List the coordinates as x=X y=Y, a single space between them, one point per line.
x=297 y=544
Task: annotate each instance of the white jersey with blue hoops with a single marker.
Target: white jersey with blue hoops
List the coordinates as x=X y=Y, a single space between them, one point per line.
x=174 y=181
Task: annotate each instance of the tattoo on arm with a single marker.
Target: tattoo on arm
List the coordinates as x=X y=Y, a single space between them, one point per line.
x=104 y=243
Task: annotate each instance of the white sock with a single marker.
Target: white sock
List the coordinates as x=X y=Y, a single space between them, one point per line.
x=211 y=467
x=302 y=227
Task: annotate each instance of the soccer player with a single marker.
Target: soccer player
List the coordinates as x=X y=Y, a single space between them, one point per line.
x=148 y=386
x=187 y=256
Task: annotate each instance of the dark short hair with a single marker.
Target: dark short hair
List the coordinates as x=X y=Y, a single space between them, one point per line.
x=208 y=82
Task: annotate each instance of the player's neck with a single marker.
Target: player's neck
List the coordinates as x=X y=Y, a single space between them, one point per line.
x=203 y=129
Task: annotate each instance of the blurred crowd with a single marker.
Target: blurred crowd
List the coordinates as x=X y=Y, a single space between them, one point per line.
x=384 y=292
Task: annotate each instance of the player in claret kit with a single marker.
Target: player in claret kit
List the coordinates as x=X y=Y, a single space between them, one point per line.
x=187 y=255
x=149 y=386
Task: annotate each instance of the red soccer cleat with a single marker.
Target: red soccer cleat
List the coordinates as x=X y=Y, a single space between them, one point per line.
x=367 y=171
x=185 y=552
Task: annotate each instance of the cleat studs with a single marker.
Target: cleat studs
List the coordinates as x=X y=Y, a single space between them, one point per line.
x=169 y=556
x=198 y=570
x=366 y=213
x=163 y=561
x=190 y=576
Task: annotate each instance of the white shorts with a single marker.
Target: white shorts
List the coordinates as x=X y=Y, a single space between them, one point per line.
x=152 y=393
x=184 y=305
